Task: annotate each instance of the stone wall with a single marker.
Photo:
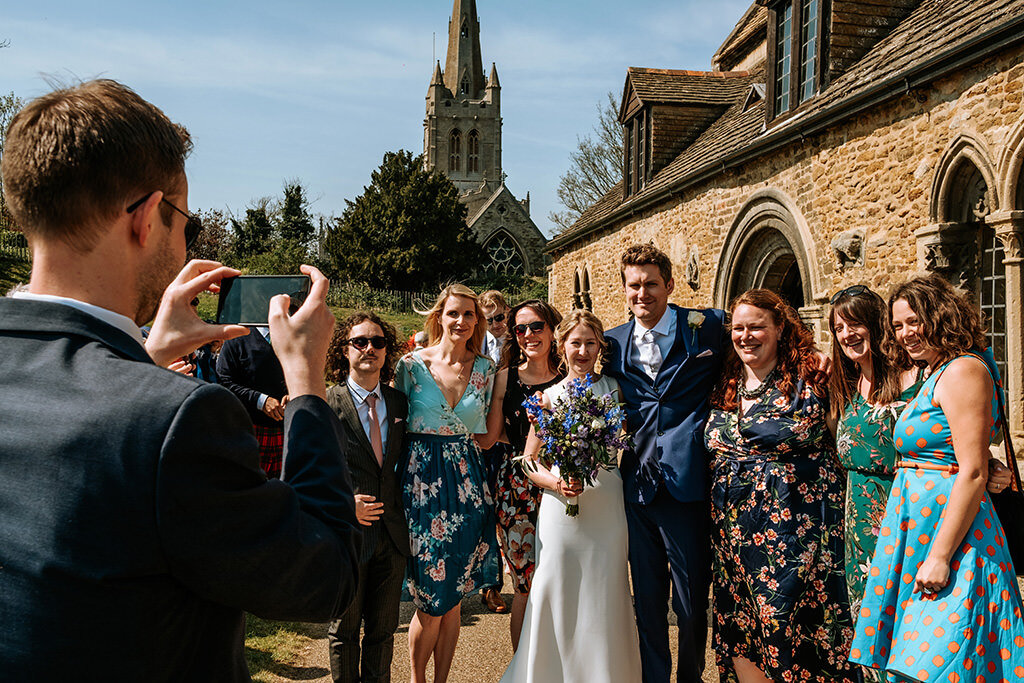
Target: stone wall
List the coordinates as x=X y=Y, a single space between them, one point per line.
x=873 y=175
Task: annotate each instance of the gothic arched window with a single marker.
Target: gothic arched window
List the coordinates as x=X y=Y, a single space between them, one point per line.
x=464 y=88
x=504 y=255
x=581 y=290
x=455 y=151
x=473 y=152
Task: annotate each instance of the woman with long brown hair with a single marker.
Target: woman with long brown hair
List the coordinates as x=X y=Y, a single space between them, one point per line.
x=780 y=609
x=942 y=601
x=867 y=391
x=530 y=363
x=447 y=502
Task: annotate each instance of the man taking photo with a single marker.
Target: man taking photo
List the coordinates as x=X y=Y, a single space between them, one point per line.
x=135 y=518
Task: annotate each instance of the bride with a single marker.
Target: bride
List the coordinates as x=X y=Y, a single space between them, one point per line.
x=579 y=624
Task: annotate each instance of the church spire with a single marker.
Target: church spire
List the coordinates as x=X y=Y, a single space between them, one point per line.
x=463 y=69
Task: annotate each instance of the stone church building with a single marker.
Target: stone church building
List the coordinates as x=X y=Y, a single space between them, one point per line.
x=462 y=138
x=832 y=143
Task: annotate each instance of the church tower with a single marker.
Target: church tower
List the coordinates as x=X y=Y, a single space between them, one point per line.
x=462 y=129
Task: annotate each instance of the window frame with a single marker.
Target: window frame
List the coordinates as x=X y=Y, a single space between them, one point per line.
x=637 y=152
x=455 y=151
x=796 y=61
x=473 y=151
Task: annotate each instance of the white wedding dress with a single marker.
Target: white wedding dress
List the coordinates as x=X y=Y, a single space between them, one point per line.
x=579 y=625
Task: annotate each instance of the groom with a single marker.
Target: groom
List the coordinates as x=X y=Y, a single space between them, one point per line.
x=667 y=360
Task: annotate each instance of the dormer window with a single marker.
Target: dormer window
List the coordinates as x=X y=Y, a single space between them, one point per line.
x=637 y=154
x=794 y=59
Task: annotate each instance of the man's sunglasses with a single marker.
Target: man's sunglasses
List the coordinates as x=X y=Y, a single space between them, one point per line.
x=193 y=226
x=856 y=290
x=361 y=343
x=535 y=326
x=496 y=319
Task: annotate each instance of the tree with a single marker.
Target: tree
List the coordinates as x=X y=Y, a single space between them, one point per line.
x=594 y=168
x=214 y=241
x=275 y=237
x=406 y=231
x=10 y=104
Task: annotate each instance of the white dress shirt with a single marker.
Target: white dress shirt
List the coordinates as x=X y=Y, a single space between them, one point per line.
x=363 y=408
x=664 y=336
x=121 y=322
x=492 y=347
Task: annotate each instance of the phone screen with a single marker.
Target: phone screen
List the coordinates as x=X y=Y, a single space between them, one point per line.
x=245 y=300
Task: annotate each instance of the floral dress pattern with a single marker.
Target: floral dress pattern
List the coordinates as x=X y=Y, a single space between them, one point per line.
x=865 y=448
x=971 y=630
x=779 y=590
x=444 y=487
x=517 y=497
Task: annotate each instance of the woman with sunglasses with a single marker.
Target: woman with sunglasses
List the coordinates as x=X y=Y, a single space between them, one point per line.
x=444 y=488
x=530 y=364
x=942 y=601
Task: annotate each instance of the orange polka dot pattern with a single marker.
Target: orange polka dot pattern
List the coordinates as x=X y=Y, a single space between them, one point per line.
x=971 y=630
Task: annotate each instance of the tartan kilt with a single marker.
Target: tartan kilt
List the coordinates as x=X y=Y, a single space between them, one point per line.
x=271 y=441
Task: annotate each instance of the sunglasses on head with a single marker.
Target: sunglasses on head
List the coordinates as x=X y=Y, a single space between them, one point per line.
x=856 y=290
x=361 y=343
x=535 y=326
x=496 y=319
x=193 y=226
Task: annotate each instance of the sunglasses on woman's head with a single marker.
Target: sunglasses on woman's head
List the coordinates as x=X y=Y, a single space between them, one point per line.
x=361 y=343
x=535 y=326
x=856 y=290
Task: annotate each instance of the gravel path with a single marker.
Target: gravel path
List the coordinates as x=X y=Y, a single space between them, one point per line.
x=483 y=653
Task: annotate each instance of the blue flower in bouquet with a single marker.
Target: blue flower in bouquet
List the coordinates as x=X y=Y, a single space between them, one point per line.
x=582 y=433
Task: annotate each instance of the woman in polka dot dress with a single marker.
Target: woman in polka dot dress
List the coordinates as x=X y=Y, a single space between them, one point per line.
x=942 y=602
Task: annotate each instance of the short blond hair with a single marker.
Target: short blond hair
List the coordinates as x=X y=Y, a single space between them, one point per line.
x=433 y=327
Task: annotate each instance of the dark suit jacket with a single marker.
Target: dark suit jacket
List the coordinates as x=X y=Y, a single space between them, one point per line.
x=666 y=416
x=248 y=367
x=383 y=483
x=134 y=515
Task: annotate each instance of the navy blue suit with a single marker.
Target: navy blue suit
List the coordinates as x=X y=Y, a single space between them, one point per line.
x=665 y=482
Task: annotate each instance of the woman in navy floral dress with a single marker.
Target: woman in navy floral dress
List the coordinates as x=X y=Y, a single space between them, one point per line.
x=780 y=609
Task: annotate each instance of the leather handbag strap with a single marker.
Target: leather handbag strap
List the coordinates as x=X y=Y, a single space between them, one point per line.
x=1011 y=458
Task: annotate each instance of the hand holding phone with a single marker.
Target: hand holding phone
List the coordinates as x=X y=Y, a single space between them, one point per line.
x=177 y=331
x=301 y=339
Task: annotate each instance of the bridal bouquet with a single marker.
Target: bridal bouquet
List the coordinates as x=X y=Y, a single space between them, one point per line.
x=582 y=433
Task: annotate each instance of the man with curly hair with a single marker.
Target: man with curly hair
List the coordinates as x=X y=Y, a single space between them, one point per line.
x=372 y=414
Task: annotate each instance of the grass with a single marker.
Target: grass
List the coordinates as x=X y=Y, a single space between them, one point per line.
x=273 y=649
x=12 y=272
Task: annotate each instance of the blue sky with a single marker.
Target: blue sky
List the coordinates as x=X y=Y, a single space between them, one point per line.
x=319 y=91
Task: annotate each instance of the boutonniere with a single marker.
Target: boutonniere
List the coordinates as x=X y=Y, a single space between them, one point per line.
x=695 y=320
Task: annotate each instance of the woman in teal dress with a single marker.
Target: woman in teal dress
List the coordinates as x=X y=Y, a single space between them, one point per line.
x=942 y=601
x=868 y=389
x=447 y=502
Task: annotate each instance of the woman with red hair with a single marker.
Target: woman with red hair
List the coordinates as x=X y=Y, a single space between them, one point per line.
x=780 y=609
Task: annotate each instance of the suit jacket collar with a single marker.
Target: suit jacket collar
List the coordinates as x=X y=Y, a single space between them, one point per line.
x=677 y=354
x=25 y=315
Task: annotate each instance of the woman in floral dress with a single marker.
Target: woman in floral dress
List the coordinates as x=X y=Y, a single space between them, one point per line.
x=532 y=365
x=867 y=391
x=942 y=601
x=780 y=609
x=444 y=489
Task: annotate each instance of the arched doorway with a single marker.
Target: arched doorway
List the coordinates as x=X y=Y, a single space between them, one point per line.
x=768 y=261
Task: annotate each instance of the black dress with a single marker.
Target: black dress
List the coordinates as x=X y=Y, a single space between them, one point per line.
x=516 y=497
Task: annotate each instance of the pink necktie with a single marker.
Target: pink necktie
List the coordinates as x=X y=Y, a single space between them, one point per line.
x=375 y=440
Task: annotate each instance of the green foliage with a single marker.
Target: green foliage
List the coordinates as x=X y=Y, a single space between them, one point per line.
x=214 y=241
x=406 y=231
x=274 y=237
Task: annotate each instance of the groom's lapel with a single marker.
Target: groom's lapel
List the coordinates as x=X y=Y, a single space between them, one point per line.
x=680 y=351
x=628 y=368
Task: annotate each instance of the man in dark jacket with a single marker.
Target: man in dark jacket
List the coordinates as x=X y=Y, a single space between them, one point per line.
x=133 y=509
x=372 y=414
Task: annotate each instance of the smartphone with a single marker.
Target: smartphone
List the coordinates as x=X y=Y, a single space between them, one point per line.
x=245 y=300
